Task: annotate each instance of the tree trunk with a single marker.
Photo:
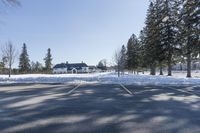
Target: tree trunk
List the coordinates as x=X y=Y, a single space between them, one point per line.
x=161 y=70
x=118 y=71
x=153 y=70
x=189 y=65
x=169 y=67
x=181 y=67
x=10 y=71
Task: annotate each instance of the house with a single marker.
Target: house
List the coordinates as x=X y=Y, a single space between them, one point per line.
x=70 y=68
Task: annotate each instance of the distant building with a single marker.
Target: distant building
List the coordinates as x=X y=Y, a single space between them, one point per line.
x=195 y=65
x=70 y=68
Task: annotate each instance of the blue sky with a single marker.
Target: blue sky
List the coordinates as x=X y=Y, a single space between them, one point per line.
x=75 y=30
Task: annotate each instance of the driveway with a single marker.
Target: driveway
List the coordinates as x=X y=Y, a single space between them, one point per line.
x=99 y=108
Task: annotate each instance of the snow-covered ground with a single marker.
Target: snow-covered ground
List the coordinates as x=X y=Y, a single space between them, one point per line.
x=181 y=74
x=111 y=78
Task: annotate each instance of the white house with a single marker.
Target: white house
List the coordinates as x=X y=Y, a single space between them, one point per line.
x=70 y=68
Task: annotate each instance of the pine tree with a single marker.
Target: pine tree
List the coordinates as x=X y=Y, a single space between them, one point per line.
x=123 y=59
x=4 y=61
x=157 y=36
x=132 y=53
x=1 y=67
x=161 y=44
x=142 y=60
x=150 y=40
x=168 y=10
x=129 y=54
x=190 y=31
x=48 y=61
x=24 y=65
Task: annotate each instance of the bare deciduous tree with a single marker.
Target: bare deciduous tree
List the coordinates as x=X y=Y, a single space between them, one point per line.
x=10 y=53
x=117 y=61
x=11 y=2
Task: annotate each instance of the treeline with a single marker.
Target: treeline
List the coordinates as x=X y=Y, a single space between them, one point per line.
x=9 y=55
x=171 y=35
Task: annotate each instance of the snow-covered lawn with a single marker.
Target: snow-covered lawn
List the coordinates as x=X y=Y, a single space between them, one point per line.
x=181 y=74
x=111 y=78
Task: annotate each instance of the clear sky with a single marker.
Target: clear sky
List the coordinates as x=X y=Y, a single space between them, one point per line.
x=75 y=30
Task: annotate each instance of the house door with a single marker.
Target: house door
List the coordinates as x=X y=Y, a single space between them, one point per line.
x=74 y=71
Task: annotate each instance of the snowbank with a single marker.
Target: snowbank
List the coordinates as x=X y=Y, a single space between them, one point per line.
x=110 y=78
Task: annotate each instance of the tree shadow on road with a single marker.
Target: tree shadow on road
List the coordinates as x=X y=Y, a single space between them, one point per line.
x=98 y=108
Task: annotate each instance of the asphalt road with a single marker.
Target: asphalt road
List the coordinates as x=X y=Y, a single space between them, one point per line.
x=99 y=108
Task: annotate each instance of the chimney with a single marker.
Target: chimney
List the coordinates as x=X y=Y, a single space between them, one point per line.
x=67 y=62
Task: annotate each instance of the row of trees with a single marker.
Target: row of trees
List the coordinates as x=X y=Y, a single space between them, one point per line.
x=171 y=34
x=9 y=55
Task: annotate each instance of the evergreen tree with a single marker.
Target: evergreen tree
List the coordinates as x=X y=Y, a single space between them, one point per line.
x=123 y=58
x=161 y=43
x=3 y=63
x=142 y=61
x=24 y=65
x=190 y=30
x=169 y=10
x=1 y=67
x=157 y=36
x=150 y=40
x=129 y=54
x=48 y=61
x=132 y=53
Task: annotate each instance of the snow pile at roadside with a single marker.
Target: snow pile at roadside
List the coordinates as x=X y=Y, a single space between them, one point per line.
x=49 y=78
x=110 y=78
x=149 y=79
